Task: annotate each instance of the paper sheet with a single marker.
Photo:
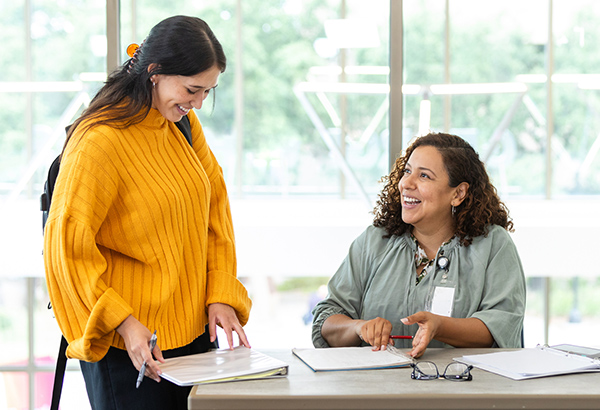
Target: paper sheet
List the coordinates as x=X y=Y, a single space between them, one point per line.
x=352 y=358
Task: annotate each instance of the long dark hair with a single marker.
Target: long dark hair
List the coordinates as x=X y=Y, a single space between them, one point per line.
x=481 y=207
x=178 y=45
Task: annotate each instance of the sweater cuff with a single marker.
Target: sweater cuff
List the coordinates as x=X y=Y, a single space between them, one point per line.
x=109 y=312
x=224 y=288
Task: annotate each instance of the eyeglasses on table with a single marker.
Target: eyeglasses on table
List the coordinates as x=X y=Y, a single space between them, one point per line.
x=458 y=372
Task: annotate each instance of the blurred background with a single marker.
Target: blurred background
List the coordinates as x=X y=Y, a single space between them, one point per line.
x=318 y=98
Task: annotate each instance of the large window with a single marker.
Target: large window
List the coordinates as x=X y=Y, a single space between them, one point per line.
x=49 y=50
x=300 y=125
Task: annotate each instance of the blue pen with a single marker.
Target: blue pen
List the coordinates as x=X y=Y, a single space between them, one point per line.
x=143 y=369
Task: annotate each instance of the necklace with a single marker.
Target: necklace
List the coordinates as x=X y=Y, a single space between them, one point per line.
x=421 y=259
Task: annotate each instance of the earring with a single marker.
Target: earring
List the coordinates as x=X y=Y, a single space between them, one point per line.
x=153 y=84
x=453 y=210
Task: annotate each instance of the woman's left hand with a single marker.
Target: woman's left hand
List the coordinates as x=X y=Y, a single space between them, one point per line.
x=429 y=325
x=224 y=316
x=457 y=332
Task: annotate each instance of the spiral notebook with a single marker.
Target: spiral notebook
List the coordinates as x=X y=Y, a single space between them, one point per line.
x=541 y=361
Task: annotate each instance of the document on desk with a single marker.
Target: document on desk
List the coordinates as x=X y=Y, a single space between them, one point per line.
x=223 y=365
x=529 y=363
x=352 y=358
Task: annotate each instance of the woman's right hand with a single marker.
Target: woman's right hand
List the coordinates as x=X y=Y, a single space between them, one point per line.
x=375 y=332
x=137 y=341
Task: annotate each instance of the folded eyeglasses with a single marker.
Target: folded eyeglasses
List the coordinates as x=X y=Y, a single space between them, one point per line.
x=458 y=372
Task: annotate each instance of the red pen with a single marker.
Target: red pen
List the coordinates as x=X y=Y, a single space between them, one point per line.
x=400 y=337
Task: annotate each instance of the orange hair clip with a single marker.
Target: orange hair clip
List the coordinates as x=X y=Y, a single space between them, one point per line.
x=131 y=49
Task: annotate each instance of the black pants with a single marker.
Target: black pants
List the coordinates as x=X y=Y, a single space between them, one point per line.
x=110 y=383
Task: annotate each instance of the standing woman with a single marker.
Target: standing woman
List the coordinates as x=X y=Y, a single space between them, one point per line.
x=139 y=237
x=437 y=263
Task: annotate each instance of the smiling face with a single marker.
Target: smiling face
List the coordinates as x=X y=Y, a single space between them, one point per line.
x=426 y=195
x=175 y=95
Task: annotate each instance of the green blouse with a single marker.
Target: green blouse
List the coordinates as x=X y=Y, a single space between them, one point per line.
x=377 y=279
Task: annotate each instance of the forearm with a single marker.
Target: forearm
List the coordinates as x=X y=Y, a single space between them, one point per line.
x=469 y=332
x=340 y=330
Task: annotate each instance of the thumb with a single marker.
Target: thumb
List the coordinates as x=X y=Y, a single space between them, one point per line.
x=412 y=319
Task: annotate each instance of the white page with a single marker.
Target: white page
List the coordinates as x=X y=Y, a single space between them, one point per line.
x=529 y=362
x=351 y=358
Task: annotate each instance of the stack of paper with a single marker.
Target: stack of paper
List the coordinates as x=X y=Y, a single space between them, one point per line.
x=352 y=358
x=224 y=365
x=522 y=364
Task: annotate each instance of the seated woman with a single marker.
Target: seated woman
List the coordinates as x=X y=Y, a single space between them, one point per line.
x=437 y=263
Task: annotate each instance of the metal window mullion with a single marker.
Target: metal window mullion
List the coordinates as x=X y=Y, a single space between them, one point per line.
x=549 y=95
x=29 y=95
x=549 y=134
x=396 y=80
x=112 y=35
x=447 y=78
x=238 y=121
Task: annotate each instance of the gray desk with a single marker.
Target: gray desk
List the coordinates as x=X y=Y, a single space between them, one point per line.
x=394 y=389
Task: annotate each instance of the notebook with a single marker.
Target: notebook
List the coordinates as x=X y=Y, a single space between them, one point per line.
x=352 y=358
x=222 y=365
x=541 y=361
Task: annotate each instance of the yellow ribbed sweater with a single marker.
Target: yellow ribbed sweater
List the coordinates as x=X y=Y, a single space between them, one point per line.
x=140 y=224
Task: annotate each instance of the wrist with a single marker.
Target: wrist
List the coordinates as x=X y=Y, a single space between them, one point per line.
x=358 y=328
x=125 y=325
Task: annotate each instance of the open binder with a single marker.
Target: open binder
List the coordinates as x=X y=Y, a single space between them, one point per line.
x=541 y=361
x=223 y=365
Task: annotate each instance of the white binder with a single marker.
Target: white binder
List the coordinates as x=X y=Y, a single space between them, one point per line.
x=223 y=365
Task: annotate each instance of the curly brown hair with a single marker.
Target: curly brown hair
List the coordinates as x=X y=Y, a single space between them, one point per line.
x=481 y=207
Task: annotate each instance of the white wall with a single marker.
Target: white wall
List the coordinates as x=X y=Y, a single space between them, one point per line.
x=303 y=237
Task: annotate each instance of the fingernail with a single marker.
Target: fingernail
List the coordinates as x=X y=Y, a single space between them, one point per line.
x=405 y=320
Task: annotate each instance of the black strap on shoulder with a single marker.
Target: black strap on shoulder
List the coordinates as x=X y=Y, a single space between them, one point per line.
x=46 y=196
x=186 y=128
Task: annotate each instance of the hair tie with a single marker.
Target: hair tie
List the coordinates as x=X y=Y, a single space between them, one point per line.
x=131 y=49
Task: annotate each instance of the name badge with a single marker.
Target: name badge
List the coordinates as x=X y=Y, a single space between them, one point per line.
x=443 y=301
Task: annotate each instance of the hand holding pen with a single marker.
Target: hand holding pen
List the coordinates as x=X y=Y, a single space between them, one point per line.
x=143 y=368
x=376 y=332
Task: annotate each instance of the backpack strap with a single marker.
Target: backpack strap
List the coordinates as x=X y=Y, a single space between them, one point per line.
x=59 y=373
x=46 y=196
x=186 y=128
